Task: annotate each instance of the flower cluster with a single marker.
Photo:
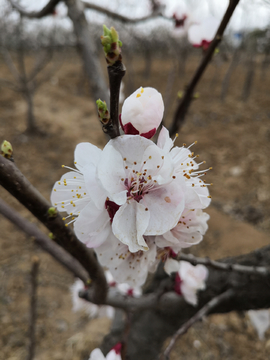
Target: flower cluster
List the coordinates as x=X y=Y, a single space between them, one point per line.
x=199 y=31
x=189 y=279
x=135 y=201
x=93 y=310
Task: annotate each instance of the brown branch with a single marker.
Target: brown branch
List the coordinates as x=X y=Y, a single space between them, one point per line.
x=63 y=257
x=119 y=17
x=33 y=301
x=183 y=106
x=116 y=73
x=16 y=184
x=197 y=317
x=251 y=270
x=45 y=11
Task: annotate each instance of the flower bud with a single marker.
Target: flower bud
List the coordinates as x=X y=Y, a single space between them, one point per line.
x=142 y=112
x=103 y=112
x=6 y=149
x=111 y=45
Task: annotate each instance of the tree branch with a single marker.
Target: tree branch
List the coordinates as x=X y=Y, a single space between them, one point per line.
x=197 y=317
x=183 y=106
x=251 y=270
x=63 y=257
x=119 y=17
x=16 y=184
x=45 y=11
x=116 y=73
x=33 y=303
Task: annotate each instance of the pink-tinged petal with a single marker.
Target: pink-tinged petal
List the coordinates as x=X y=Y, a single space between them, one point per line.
x=113 y=355
x=86 y=153
x=164 y=141
x=129 y=225
x=92 y=227
x=189 y=231
x=171 y=266
x=189 y=293
x=166 y=205
x=93 y=185
x=111 y=170
x=149 y=134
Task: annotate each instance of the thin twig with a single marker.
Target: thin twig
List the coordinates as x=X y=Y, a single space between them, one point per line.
x=33 y=304
x=63 y=257
x=198 y=316
x=184 y=104
x=16 y=184
x=252 y=270
x=46 y=10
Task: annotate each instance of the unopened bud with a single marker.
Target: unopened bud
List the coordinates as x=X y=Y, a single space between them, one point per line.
x=111 y=45
x=6 y=149
x=103 y=112
x=52 y=212
x=142 y=112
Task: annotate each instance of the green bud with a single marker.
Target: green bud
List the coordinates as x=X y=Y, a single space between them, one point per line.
x=180 y=94
x=111 y=45
x=51 y=236
x=6 y=149
x=52 y=212
x=196 y=95
x=103 y=112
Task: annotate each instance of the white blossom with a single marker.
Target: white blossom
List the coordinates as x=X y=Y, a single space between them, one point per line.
x=202 y=33
x=260 y=319
x=92 y=310
x=133 y=201
x=114 y=354
x=189 y=279
x=142 y=112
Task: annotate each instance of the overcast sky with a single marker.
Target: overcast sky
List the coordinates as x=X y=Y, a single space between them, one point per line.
x=249 y=13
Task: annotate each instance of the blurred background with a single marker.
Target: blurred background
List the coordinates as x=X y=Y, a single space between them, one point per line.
x=44 y=88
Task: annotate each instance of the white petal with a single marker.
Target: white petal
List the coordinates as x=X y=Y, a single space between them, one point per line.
x=164 y=141
x=110 y=170
x=92 y=227
x=96 y=354
x=94 y=188
x=189 y=294
x=165 y=204
x=86 y=153
x=131 y=147
x=171 y=266
x=129 y=225
x=260 y=319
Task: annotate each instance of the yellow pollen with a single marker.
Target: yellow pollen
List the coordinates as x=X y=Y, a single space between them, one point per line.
x=138 y=95
x=73 y=218
x=150 y=157
x=195 y=142
x=63 y=218
x=66 y=225
x=59 y=183
x=63 y=202
x=125 y=159
x=75 y=162
x=80 y=187
x=74 y=205
x=122 y=179
x=71 y=202
x=63 y=166
x=71 y=214
x=209 y=196
x=74 y=177
x=211 y=168
x=84 y=193
x=142 y=90
x=162 y=157
x=176 y=135
x=54 y=189
x=62 y=207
